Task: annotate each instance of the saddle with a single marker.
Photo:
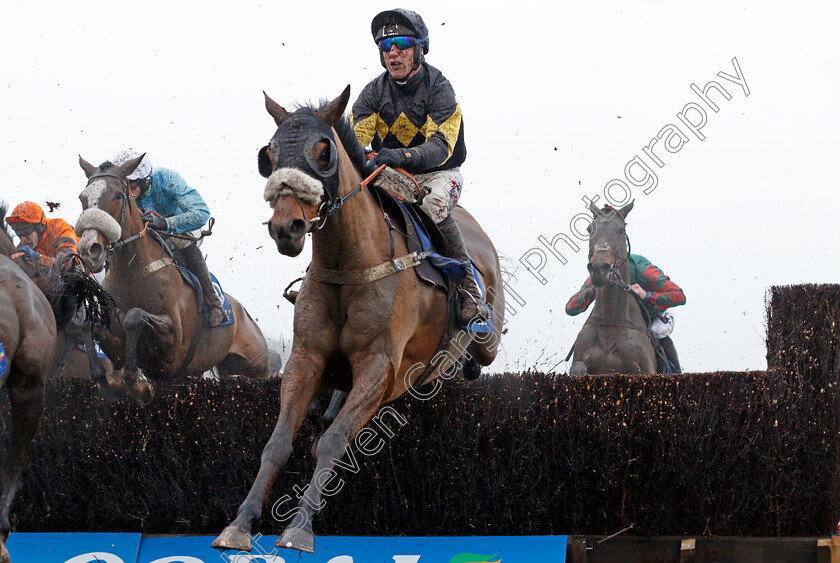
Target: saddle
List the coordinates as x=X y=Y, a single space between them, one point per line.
x=189 y=278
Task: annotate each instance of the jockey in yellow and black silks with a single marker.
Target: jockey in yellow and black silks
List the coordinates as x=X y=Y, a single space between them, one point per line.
x=410 y=117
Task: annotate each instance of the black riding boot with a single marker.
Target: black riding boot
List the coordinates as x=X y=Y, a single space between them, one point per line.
x=195 y=264
x=473 y=306
x=671 y=353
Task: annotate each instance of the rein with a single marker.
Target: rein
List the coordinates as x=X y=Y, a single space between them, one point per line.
x=329 y=207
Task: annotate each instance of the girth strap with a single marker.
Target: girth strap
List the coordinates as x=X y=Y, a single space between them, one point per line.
x=153 y=267
x=359 y=277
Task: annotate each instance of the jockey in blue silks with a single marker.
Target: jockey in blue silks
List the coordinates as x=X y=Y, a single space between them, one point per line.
x=169 y=205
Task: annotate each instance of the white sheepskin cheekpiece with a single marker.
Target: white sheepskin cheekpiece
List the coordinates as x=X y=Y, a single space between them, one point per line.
x=291 y=181
x=95 y=218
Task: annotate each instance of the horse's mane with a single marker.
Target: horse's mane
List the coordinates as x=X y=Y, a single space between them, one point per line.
x=351 y=143
x=4 y=209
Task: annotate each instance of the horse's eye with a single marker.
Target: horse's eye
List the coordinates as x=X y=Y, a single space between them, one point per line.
x=589 y=228
x=118 y=196
x=325 y=155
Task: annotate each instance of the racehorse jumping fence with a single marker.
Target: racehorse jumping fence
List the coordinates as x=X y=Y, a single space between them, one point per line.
x=732 y=454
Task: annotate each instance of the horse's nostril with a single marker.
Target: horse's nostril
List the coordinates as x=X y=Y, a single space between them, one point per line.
x=296 y=228
x=95 y=250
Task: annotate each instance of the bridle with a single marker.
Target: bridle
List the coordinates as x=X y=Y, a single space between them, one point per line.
x=332 y=206
x=615 y=276
x=116 y=245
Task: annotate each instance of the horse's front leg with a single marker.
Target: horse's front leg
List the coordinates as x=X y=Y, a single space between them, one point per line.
x=371 y=374
x=298 y=388
x=109 y=388
x=160 y=333
x=26 y=395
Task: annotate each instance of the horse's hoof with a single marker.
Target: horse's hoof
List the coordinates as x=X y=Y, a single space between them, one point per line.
x=111 y=389
x=233 y=537
x=472 y=369
x=577 y=369
x=140 y=389
x=297 y=538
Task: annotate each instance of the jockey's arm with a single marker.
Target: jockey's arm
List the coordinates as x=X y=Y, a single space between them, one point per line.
x=186 y=209
x=63 y=243
x=581 y=300
x=661 y=292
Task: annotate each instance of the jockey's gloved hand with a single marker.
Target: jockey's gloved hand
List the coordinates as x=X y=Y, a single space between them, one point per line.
x=155 y=221
x=368 y=168
x=393 y=158
x=29 y=253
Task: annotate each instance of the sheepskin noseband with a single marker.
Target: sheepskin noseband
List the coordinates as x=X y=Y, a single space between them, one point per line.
x=95 y=218
x=293 y=182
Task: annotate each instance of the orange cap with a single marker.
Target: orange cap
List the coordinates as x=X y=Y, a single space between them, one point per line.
x=27 y=212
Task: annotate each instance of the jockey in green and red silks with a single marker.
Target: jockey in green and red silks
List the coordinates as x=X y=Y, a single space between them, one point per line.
x=660 y=292
x=655 y=291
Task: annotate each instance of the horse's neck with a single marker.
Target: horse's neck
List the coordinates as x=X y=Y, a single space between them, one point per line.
x=356 y=236
x=132 y=257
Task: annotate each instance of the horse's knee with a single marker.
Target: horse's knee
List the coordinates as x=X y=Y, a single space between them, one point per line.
x=577 y=368
x=331 y=445
x=277 y=450
x=135 y=319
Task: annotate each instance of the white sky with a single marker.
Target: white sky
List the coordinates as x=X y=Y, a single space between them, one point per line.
x=557 y=99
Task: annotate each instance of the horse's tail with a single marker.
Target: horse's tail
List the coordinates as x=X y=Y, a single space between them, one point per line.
x=72 y=288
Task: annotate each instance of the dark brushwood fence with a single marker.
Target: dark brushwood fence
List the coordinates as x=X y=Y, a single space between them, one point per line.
x=718 y=453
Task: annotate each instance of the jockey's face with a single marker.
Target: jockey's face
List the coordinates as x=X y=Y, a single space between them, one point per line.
x=31 y=236
x=400 y=63
x=136 y=187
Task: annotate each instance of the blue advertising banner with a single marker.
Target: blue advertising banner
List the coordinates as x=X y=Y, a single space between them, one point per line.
x=506 y=549
x=73 y=548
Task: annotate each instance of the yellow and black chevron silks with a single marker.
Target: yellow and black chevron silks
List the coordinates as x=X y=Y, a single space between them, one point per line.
x=406 y=132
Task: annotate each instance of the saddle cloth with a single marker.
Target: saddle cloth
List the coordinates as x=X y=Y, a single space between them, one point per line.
x=99 y=353
x=203 y=309
x=422 y=235
x=4 y=365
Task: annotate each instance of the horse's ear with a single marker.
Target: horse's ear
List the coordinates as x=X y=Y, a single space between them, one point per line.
x=86 y=166
x=129 y=166
x=331 y=112
x=626 y=209
x=594 y=208
x=275 y=110
x=264 y=162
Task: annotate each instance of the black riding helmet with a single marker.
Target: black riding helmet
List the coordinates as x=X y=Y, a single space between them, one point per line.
x=392 y=23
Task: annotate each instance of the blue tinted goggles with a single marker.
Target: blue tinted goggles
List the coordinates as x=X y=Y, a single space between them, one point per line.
x=402 y=42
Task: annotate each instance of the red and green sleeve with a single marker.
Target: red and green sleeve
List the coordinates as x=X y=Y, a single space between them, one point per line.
x=581 y=300
x=662 y=293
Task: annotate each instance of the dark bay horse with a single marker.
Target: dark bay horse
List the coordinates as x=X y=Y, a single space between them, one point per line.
x=368 y=328
x=164 y=334
x=27 y=330
x=615 y=337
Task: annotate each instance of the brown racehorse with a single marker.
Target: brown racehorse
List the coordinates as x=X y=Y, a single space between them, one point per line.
x=164 y=334
x=365 y=337
x=67 y=358
x=27 y=329
x=615 y=337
